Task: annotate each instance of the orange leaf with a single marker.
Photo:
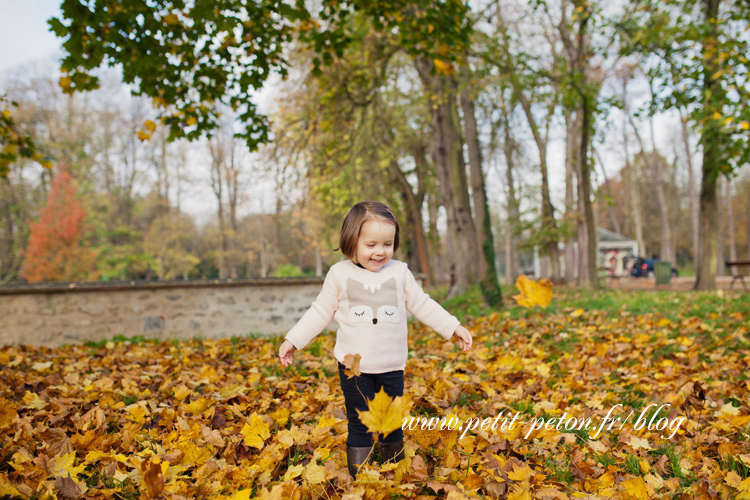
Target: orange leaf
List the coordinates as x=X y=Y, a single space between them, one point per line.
x=533 y=293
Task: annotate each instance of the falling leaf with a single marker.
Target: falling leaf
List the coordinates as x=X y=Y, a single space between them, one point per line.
x=385 y=414
x=533 y=293
x=351 y=362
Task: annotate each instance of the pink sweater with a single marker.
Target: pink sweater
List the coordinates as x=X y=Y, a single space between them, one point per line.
x=370 y=309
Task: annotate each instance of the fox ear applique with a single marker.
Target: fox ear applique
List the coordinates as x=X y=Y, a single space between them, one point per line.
x=372 y=303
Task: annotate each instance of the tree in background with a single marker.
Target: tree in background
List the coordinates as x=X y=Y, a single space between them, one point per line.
x=57 y=251
x=697 y=52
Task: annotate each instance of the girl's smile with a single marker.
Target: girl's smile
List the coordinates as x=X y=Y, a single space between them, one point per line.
x=375 y=244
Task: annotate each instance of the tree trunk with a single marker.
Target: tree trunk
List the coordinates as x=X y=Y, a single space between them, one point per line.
x=720 y=267
x=693 y=199
x=571 y=213
x=591 y=277
x=513 y=263
x=217 y=184
x=487 y=271
x=476 y=176
x=730 y=219
x=415 y=215
x=712 y=160
x=446 y=148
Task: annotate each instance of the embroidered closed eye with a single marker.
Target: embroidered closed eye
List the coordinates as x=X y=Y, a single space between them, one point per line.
x=388 y=314
x=359 y=315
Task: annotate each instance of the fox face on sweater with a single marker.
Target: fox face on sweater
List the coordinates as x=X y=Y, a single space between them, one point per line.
x=372 y=303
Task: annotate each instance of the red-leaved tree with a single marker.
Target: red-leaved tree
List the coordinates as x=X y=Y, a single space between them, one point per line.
x=56 y=250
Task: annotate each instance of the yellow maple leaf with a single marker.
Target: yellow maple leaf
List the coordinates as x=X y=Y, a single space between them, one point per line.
x=195 y=454
x=521 y=474
x=519 y=494
x=637 y=443
x=533 y=293
x=255 y=432
x=293 y=471
x=384 y=414
x=635 y=489
x=33 y=400
x=62 y=466
x=314 y=473
x=733 y=479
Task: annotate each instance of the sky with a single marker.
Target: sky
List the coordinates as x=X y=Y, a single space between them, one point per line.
x=24 y=32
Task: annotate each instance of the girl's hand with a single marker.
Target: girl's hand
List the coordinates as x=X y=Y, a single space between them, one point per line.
x=464 y=338
x=285 y=353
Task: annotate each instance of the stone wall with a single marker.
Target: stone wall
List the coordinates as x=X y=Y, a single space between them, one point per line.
x=67 y=313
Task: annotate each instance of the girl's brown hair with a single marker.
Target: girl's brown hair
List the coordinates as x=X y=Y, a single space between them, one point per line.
x=357 y=216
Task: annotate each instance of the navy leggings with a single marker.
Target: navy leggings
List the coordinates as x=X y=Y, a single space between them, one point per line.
x=359 y=390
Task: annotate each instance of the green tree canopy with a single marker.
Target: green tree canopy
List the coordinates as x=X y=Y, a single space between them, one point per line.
x=188 y=56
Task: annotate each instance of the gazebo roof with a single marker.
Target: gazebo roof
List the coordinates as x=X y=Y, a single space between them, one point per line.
x=605 y=235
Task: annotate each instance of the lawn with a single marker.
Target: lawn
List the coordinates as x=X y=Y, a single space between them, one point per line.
x=221 y=418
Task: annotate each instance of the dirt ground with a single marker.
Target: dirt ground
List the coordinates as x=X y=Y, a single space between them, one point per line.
x=680 y=283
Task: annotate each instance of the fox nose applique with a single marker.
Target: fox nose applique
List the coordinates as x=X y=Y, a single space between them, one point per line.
x=374 y=321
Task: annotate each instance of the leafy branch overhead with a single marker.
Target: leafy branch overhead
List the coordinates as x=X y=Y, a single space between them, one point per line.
x=190 y=57
x=14 y=142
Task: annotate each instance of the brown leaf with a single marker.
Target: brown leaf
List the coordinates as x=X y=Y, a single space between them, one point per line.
x=495 y=489
x=351 y=362
x=153 y=477
x=696 y=399
x=68 y=487
x=661 y=466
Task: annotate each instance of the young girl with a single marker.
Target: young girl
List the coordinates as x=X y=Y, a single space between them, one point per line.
x=368 y=296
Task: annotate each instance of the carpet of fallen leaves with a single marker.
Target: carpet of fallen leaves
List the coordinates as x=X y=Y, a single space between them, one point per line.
x=222 y=419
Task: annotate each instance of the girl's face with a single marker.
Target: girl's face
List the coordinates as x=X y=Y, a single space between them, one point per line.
x=375 y=244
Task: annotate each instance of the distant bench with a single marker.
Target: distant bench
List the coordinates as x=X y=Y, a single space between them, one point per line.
x=733 y=266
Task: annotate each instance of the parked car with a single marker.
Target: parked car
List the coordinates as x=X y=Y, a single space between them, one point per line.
x=644 y=268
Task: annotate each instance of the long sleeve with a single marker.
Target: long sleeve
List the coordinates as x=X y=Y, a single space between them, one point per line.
x=426 y=310
x=318 y=316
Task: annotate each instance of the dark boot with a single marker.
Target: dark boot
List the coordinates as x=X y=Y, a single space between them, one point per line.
x=355 y=457
x=392 y=452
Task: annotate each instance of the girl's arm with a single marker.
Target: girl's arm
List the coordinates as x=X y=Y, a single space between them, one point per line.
x=432 y=314
x=313 y=321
